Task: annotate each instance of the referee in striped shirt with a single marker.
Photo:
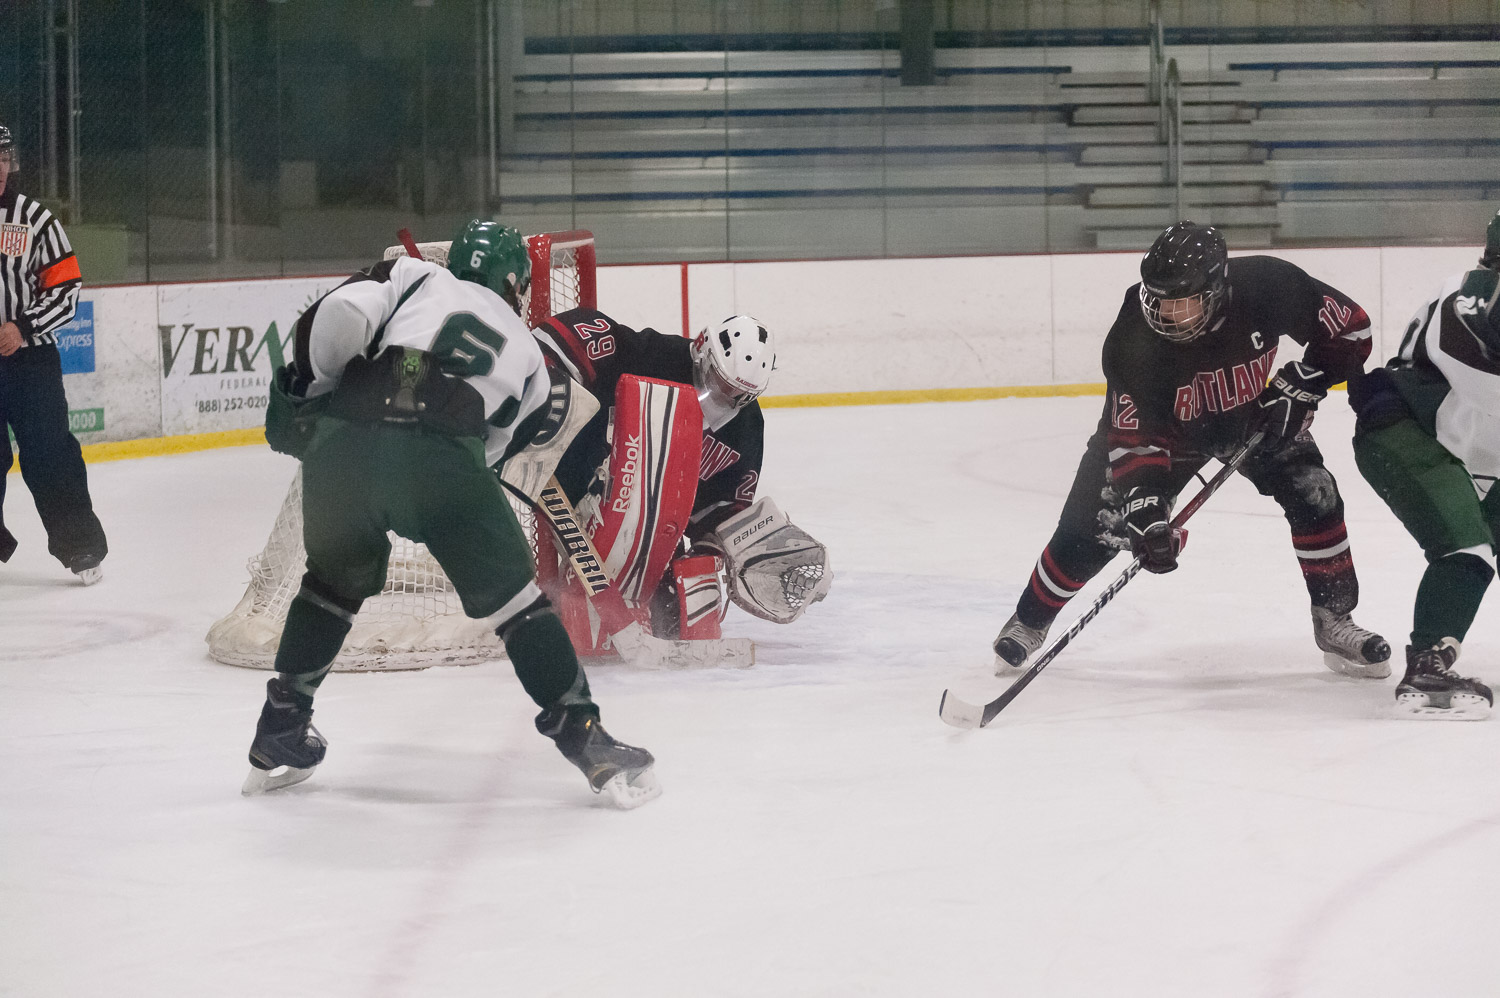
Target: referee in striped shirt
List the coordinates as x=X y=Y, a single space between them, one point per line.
x=39 y=284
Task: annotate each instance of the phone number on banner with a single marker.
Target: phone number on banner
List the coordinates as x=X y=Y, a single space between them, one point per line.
x=232 y=403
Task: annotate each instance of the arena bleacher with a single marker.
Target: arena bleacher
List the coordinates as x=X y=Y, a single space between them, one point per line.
x=803 y=152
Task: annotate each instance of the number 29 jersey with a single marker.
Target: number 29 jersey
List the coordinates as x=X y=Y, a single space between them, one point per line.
x=597 y=349
x=473 y=332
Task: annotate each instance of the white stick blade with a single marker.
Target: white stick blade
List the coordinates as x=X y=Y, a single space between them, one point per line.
x=960 y=713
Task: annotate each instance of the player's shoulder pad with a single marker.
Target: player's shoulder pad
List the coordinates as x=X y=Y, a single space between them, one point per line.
x=1258 y=265
x=1475 y=304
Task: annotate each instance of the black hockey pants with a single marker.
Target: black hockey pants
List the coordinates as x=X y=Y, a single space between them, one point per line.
x=1293 y=475
x=33 y=406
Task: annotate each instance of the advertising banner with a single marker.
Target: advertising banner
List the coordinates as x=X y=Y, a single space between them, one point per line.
x=110 y=365
x=220 y=344
x=75 y=341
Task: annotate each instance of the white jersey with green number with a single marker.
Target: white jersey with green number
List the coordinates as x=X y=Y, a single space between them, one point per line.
x=471 y=330
x=1467 y=416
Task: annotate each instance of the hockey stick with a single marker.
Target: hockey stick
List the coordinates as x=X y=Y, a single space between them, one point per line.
x=410 y=243
x=962 y=714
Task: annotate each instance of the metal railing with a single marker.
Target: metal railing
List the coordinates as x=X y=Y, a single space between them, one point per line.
x=1171 y=128
x=1158 y=66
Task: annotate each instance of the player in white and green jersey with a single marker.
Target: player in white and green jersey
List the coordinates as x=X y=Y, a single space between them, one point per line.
x=407 y=383
x=1428 y=440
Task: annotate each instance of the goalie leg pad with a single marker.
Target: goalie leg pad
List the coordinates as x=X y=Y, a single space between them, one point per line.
x=700 y=604
x=653 y=480
x=776 y=570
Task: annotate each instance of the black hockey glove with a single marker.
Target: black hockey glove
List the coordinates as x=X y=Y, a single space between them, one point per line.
x=1287 y=404
x=1376 y=401
x=1152 y=536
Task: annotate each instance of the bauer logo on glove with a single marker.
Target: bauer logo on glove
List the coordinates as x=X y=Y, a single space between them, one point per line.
x=775 y=568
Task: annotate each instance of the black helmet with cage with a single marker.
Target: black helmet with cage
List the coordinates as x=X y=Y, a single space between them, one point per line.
x=1491 y=258
x=8 y=149
x=1184 y=281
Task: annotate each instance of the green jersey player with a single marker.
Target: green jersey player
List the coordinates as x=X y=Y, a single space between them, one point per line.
x=1428 y=440
x=407 y=383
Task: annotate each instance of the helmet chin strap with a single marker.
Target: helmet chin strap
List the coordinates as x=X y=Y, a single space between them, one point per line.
x=716 y=410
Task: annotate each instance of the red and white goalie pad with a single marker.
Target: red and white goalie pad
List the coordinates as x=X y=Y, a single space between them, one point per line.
x=653 y=480
x=776 y=570
x=701 y=606
x=655 y=452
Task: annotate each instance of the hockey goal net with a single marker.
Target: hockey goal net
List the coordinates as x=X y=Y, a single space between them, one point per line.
x=416 y=620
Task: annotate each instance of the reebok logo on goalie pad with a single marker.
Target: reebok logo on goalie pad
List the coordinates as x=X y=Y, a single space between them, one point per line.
x=628 y=472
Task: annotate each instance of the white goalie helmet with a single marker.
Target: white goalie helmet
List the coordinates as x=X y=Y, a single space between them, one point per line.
x=732 y=365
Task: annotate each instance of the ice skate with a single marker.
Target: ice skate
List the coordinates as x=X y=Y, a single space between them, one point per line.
x=1431 y=688
x=622 y=772
x=287 y=748
x=86 y=567
x=1015 y=644
x=1349 y=649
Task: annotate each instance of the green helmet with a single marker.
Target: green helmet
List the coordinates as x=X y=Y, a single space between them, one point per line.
x=494 y=255
x=1491 y=258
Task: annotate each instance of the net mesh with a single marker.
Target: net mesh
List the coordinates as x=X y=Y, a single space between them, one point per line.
x=417 y=619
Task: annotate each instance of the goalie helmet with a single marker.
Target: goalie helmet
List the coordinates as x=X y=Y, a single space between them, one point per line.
x=1183 y=281
x=8 y=149
x=732 y=365
x=494 y=255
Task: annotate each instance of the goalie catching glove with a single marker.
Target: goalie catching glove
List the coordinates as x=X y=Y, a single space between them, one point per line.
x=775 y=569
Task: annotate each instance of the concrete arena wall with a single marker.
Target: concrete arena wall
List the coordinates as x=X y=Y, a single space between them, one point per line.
x=181 y=359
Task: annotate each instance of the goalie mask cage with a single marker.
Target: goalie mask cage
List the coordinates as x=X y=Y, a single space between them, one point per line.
x=416 y=620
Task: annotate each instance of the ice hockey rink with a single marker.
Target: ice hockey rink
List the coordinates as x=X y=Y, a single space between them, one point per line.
x=1186 y=803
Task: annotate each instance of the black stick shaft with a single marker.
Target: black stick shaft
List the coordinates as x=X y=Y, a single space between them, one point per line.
x=998 y=704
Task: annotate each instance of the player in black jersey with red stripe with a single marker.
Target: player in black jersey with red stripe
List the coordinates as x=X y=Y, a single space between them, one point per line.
x=1186 y=364
x=597 y=350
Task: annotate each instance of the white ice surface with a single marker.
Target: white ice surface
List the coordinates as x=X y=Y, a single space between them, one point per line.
x=1186 y=803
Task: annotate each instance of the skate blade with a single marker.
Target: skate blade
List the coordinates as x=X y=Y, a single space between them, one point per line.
x=1460 y=707
x=262 y=781
x=626 y=791
x=1005 y=670
x=89 y=576
x=1357 y=670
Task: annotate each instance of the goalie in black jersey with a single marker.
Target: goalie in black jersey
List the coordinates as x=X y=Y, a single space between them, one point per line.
x=679 y=422
x=1186 y=364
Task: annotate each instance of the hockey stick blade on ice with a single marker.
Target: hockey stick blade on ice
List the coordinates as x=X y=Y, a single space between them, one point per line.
x=962 y=714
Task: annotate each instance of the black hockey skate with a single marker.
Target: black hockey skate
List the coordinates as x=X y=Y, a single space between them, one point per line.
x=86 y=567
x=619 y=770
x=1349 y=649
x=1015 y=644
x=1431 y=688
x=287 y=748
